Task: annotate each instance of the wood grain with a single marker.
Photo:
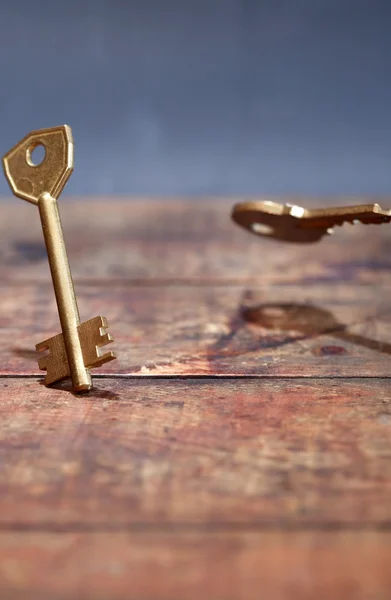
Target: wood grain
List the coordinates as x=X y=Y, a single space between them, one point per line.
x=192 y=241
x=331 y=330
x=282 y=452
x=239 y=448
x=172 y=566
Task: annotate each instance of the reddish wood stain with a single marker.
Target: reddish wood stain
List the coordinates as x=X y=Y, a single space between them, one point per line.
x=329 y=350
x=239 y=448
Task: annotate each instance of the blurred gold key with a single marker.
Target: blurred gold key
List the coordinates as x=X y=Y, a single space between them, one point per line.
x=290 y=223
x=77 y=349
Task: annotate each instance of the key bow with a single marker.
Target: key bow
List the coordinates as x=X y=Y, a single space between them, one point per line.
x=29 y=180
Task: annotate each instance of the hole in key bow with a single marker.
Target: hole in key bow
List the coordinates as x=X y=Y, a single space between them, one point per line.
x=36 y=154
x=262 y=229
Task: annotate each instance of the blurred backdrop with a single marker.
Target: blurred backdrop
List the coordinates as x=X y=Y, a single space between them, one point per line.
x=200 y=97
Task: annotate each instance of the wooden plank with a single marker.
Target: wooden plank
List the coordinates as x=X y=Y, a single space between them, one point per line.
x=218 y=453
x=317 y=330
x=169 y=566
x=275 y=486
x=157 y=240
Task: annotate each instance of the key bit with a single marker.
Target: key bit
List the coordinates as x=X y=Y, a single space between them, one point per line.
x=290 y=223
x=77 y=349
x=92 y=336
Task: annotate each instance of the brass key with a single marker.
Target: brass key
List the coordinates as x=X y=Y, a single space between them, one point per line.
x=290 y=223
x=77 y=349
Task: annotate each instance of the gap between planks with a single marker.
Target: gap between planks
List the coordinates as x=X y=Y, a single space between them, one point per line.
x=223 y=376
x=186 y=528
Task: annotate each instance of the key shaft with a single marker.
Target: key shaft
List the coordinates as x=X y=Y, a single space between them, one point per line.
x=64 y=290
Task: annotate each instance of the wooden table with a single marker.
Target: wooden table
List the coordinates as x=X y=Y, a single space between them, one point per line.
x=240 y=446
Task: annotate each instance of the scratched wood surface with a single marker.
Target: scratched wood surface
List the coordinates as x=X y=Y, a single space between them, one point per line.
x=240 y=446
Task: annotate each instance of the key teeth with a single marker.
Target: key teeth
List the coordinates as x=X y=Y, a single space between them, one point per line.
x=107 y=357
x=42 y=346
x=93 y=336
x=43 y=360
x=55 y=362
x=107 y=338
x=43 y=363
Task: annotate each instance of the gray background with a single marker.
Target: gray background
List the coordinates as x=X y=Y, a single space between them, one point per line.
x=196 y=97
